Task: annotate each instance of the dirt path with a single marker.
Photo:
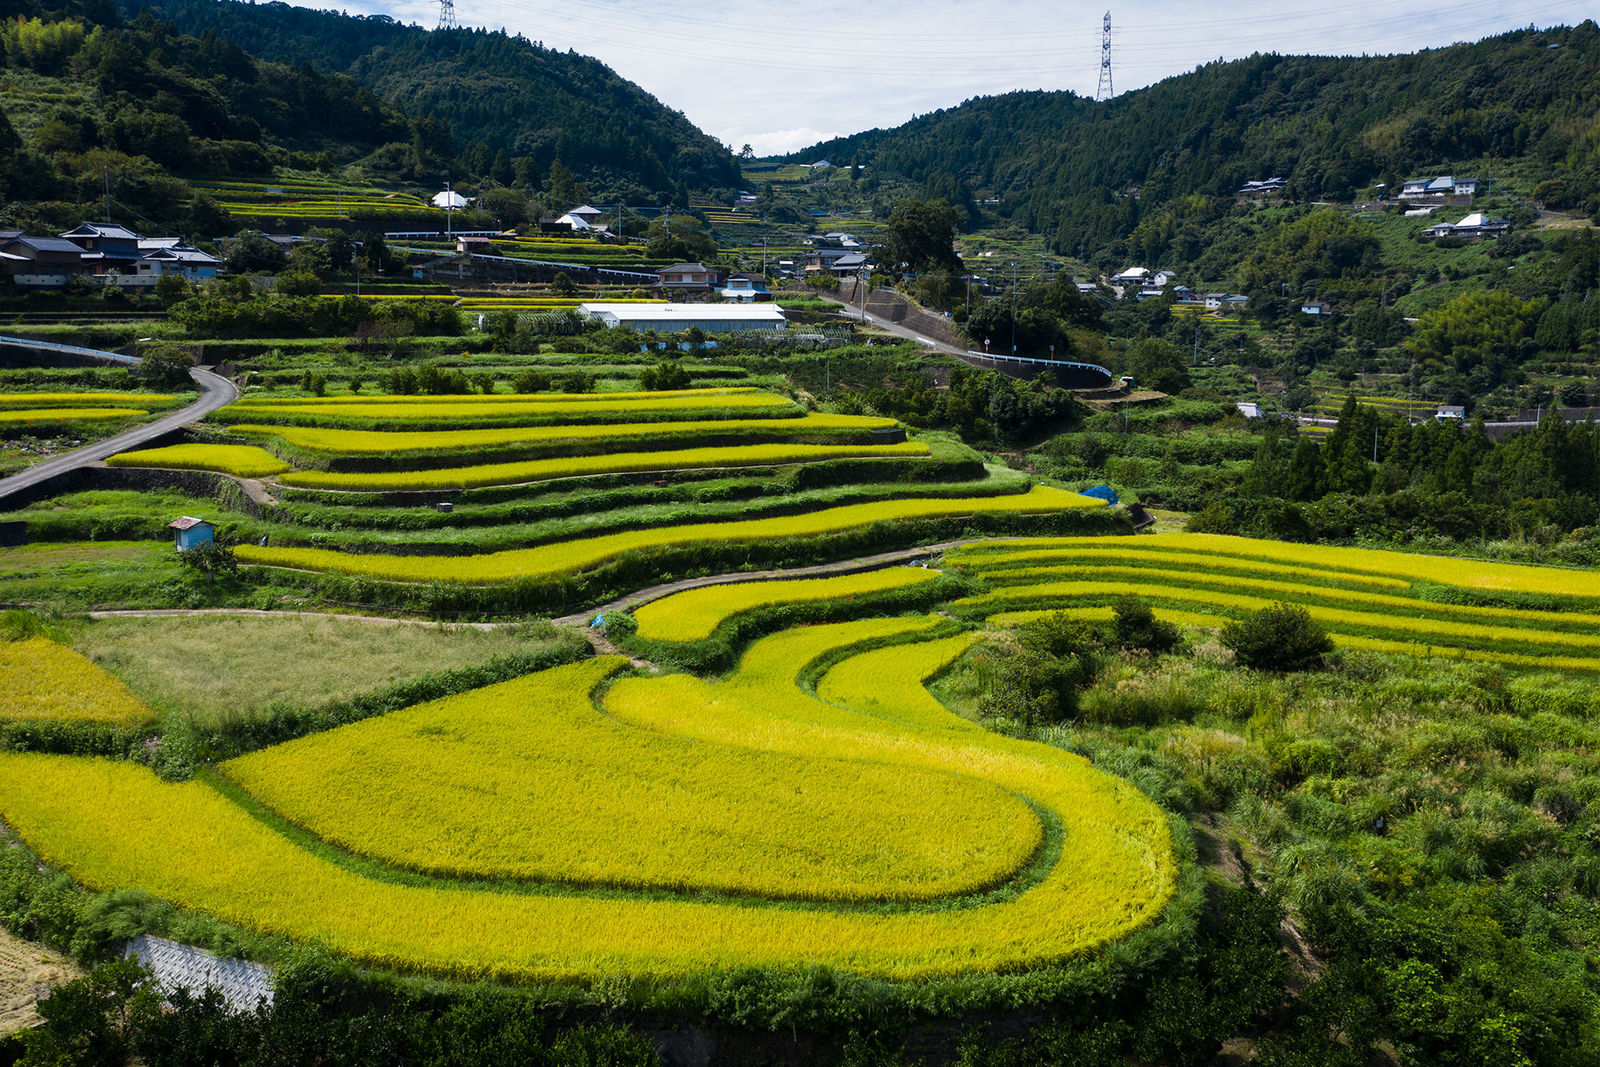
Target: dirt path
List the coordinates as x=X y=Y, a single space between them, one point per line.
x=257 y=613
x=28 y=972
x=844 y=566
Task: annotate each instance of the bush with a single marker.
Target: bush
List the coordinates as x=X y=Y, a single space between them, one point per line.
x=664 y=376
x=531 y=381
x=1040 y=684
x=1283 y=637
x=1135 y=628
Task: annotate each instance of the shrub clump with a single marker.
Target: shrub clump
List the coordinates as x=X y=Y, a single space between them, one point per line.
x=1280 y=638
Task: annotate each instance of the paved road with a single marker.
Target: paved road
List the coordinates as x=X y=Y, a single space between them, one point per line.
x=215 y=392
x=975 y=358
x=853 y=311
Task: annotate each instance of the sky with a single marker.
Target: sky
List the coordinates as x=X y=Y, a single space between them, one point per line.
x=783 y=76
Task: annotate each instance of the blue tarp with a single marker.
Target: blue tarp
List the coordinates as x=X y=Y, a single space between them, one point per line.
x=598 y=623
x=1104 y=492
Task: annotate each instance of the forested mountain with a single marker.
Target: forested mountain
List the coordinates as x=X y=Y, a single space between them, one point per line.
x=1524 y=103
x=504 y=98
x=93 y=105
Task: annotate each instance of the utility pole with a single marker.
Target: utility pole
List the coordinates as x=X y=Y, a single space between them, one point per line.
x=1013 y=309
x=108 y=195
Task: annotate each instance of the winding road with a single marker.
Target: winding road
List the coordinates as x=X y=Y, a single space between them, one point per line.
x=215 y=392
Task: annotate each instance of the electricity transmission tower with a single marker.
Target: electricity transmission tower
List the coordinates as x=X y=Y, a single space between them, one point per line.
x=1104 y=91
x=447 y=15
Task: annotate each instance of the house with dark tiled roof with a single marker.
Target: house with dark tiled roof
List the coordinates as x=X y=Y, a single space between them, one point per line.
x=106 y=246
x=40 y=261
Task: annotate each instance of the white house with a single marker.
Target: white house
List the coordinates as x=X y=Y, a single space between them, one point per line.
x=169 y=255
x=1476 y=224
x=747 y=288
x=1443 y=185
x=1131 y=276
x=675 y=318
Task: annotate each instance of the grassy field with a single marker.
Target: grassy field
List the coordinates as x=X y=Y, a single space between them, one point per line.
x=213 y=669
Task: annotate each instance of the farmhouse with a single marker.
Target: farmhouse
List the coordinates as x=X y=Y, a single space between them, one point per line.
x=1444 y=185
x=746 y=287
x=169 y=255
x=688 y=278
x=845 y=266
x=675 y=318
x=106 y=247
x=1474 y=225
x=40 y=261
x=1263 y=188
x=823 y=259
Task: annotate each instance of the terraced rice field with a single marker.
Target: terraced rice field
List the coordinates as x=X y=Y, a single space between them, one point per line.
x=581 y=799
x=614 y=463
x=466 y=411
x=316 y=200
x=244 y=461
x=1083 y=857
x=28 y=409
x=338 y=442
x=81 y=400
x=695 y=614
x=27 y=415
x=572 y=557
x=1366 y=598
x=42 y=681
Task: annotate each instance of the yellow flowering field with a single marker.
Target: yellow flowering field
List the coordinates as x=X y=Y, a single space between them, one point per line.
x=26 y=415
x=81 y=400
x=695 y=614
x=527 y=779
x=113 y=824
x=244 y=461
x=42 y=680
x=534 y=470
x=344 y=442
x=569 y=557
x=471 y=399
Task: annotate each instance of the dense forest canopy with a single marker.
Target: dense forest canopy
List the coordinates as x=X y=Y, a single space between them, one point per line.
x=1522 y=105
x=498 y=93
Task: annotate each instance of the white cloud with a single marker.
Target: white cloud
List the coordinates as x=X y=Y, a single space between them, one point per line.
x=781 y=142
